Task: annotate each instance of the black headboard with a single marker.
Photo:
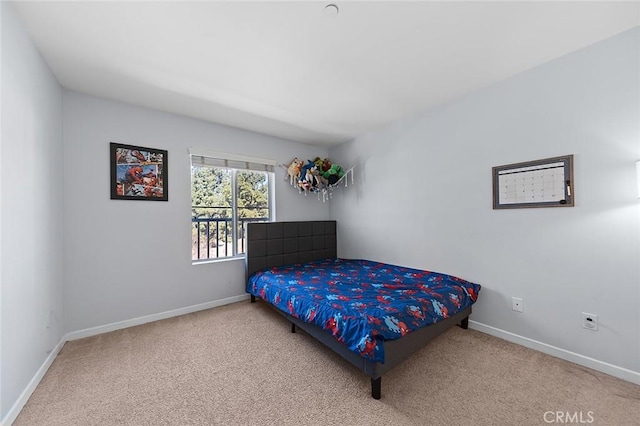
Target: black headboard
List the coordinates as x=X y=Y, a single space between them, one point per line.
x=272 y=244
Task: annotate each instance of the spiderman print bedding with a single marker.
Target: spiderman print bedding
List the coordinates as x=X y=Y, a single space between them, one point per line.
x=363 y=303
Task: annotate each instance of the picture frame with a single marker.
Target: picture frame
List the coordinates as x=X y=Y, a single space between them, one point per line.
x=138 y=173
x=541 y=183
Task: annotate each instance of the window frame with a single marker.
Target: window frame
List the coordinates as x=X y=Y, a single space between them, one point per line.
x=253 y=164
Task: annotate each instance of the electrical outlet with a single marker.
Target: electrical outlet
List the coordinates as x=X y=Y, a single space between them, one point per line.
x=590 y=321
x=517 y=304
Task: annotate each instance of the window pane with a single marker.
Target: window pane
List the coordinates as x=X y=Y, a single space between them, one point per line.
x=223 y=201
x=253 y=201
x=211 y=212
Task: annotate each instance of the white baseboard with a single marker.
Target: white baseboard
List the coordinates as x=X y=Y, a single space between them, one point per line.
x=12 y=415
x=94 y=331
x=585 y=361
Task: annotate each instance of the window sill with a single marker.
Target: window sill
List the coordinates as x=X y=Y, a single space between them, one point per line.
x=224 y=259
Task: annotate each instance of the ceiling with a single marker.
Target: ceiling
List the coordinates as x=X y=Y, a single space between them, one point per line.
x=287 y=70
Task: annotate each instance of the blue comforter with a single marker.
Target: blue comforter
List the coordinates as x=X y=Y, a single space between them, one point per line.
x=363 y=303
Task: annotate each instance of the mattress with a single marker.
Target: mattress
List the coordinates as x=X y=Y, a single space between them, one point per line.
x=363 y=303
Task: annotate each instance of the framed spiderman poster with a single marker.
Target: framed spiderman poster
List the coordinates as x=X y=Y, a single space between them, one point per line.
x=138 y=173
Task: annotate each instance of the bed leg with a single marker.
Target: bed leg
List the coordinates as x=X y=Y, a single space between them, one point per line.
x=464 y=324
x=293 y=328
x=253 y=299
x=376 y=387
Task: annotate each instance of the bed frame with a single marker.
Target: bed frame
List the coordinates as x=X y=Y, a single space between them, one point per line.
x=284 y=243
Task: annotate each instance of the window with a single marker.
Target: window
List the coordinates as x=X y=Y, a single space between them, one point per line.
x=227 y=192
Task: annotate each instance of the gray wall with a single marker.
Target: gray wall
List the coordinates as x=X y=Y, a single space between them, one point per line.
x=127 y=259
x=31 y=211
x=423 y=198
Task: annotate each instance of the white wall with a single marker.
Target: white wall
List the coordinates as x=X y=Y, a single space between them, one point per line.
x=127 y=259
x=2 y=402
x=423 y=198
x=31 y=211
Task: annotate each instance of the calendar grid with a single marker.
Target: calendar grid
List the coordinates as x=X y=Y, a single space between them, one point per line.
x=541 y=183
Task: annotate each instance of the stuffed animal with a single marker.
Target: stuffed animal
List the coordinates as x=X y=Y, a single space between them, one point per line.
x=321 y=182
x=318 y=162
x=304 y=185
x=310 y=177
x=303 y=170
x=334 y=174
x=294 y=171
x=326 y=165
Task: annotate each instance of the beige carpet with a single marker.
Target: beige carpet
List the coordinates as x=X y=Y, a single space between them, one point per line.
x=240 y=365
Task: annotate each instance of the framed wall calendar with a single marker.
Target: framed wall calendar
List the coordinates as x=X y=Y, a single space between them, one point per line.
x=540 y=183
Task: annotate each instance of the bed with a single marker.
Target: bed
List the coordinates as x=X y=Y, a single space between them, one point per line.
x=372 y=314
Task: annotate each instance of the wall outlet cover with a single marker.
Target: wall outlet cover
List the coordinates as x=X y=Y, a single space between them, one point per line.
x=517 y=304
x=590 y=321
